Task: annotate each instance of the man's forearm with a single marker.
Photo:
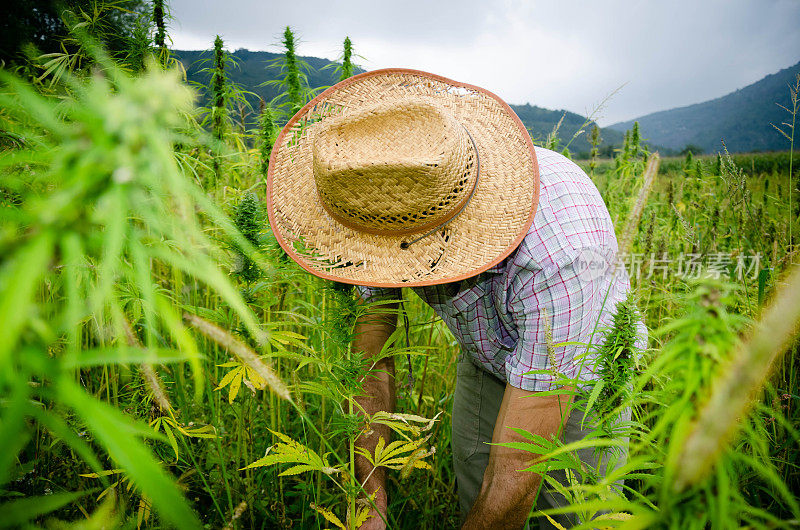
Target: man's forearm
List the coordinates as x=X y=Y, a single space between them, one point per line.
x=502 y=502
x=379 y=395
x=507 y=494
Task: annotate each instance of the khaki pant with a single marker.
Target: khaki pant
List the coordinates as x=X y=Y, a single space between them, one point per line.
x=475 y=406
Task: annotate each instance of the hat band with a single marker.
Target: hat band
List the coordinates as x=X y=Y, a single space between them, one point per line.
x=432 y=227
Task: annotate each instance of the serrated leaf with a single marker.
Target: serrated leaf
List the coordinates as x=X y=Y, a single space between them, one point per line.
x=525 y=446
x=143 y=513
x=598 y=387
x=253 y=376
x=206 y=431
x=328 y=515
x=362 y=516
x=553 y=522
x=107 y=424
x=285 y=338
x=403 y=423
x=296 y=470
x=393 y=450
x=236 y=382
x=227 y=378
x=415 y=462
x=172 y=441
x=110 y=488
x=289 y=451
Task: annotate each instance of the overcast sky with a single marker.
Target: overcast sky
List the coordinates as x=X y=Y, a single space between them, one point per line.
x=556 y=54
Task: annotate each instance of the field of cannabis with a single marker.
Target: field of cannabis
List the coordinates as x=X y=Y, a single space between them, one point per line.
x=164 y=364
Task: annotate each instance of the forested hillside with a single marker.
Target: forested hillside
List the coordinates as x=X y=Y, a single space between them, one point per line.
x=743 y=119
x=251 y=70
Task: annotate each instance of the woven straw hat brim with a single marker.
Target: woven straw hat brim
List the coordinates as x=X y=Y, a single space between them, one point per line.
x=489 y=228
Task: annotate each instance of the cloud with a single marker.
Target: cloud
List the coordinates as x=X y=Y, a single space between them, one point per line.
x=568 y=54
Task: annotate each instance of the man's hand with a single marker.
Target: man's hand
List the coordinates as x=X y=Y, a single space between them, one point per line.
x=372 y=331
x=507 y=494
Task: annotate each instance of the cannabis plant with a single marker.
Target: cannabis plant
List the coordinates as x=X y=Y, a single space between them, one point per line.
x=249 y=220
x=616 y=359
x=341 y=375
x=100 y=203
x=347 y=60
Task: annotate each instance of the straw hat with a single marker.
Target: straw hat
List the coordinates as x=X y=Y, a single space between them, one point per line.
x=402 y=178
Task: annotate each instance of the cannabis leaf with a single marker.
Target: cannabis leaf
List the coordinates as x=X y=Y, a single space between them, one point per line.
x=289 y=451
x=169 y=425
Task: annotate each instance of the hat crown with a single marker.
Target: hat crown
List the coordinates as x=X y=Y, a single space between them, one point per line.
x=392 y=168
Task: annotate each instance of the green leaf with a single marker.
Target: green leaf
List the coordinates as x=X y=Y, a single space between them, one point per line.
x=17 y=286
x=34 y=105
x=287 y=338
x=289 y=451
x=73 y=276
x=184 y=340
x=228 y=377
x=296 y=470
x=327 y=514
x=115 y=221
x=204 y=269
x=146 y=290
x=598 y=387
x=18 y=512
x=13 y=434
x=236 y=383
x=361 y=518
x=104 y=473
x=172 y=441
x=207 y=431
x=130 y=454
x=59 y=428
x=524 y=446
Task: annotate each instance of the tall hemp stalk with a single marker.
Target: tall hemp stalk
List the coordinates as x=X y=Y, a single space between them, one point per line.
x=292 y=81
x=160 y=38
x=218 y=108
x=636 y=139
x=616 y=359
x=266 y=133
x=249 y=219
x=594 y=140
x=292 y=75
x=347 y=60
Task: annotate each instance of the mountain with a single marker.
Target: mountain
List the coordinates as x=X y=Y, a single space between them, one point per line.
x=540 y=123
x=249 y=69
x=742 y=119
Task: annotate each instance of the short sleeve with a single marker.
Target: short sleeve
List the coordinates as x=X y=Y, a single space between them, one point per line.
x=378 y=294
x=565 y=302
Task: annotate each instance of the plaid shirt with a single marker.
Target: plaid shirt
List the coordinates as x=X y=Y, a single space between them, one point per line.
x=547 y=286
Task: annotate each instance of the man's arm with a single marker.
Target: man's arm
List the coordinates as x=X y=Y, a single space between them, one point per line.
x=372 y=331
x=507 y=494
